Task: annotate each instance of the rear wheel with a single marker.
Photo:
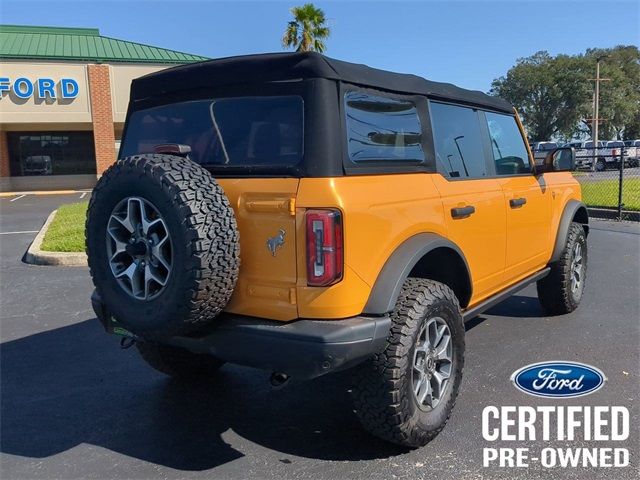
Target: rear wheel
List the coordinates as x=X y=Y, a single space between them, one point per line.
x=601 y=165
x=178 y=362
x=406 y=393
x=560 y=292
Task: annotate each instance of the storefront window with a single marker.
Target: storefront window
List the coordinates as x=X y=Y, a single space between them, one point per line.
x=51 y=153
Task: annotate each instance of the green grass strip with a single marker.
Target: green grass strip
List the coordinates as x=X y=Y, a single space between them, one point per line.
x=66 y=232
x=604 y=193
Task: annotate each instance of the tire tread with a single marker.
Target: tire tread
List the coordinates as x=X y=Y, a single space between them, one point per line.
x=554 y=291
x=380 y=384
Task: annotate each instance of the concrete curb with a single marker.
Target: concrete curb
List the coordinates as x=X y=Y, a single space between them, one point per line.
x=36 y=256
x=42 y=192
x=612 y=214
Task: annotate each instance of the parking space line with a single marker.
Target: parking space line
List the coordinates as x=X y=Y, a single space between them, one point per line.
x=18 y=233
x=17 y=198
x=83 y=194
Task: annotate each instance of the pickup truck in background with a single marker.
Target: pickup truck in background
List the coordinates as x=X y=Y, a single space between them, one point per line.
x=584 y=154
x=541 y=149
x=614 y=149
x=632 y=152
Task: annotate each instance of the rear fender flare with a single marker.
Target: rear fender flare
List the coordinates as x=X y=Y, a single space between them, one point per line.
x=398 y=266
x=574 y=209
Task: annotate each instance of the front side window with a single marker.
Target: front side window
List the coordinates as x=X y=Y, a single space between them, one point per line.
x=458 y=141
x=235 y=132
x=382 y=129
x=509 y=151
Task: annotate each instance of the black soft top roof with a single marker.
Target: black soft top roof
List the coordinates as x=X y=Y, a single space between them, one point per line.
x=271 y=67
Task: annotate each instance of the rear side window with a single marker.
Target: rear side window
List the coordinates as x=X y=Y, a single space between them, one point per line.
x=509 y=150
x=458 y=141
x=234 y=132
x=382 y=129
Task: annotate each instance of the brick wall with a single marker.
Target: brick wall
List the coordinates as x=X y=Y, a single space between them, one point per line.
x=102 y=116
x=4 y=155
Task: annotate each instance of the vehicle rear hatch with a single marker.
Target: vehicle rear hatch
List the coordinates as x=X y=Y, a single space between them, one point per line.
x=252 y=146
x=265 y=212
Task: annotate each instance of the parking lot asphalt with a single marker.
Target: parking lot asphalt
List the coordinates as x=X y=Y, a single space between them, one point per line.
x=74 y=405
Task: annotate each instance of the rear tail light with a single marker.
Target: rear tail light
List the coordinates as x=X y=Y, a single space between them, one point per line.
x=325 y=262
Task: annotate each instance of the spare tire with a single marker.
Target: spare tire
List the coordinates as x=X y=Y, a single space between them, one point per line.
x=162 y=245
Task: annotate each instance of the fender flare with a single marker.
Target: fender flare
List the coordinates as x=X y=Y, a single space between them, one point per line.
x=398 y=266
x=572 y=208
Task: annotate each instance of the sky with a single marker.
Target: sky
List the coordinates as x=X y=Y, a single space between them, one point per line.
x=468 y=43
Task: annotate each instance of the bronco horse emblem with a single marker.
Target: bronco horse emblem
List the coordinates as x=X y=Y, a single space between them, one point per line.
x=274 y=243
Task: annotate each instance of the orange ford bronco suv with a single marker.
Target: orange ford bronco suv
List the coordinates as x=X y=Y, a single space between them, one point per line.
x=304 y=215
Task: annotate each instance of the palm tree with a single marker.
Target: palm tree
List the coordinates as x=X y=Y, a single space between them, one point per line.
x=307 y=31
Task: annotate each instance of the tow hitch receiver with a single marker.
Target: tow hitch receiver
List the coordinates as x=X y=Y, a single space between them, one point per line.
x=109 y=323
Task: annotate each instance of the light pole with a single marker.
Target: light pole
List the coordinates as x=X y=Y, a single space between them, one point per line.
x=596 y=113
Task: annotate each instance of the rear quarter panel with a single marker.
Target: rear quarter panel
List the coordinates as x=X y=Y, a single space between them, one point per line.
x=379 y=213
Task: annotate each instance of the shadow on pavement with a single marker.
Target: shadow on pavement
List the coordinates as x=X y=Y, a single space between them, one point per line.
x=74 y=385
x=518 y=306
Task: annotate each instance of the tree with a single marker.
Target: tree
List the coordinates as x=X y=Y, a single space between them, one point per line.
x=551 y=94
x=307 y=31
x=632 y=130
x=620 y=95
x=554 y=95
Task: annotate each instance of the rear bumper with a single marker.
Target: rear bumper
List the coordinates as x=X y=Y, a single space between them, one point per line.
x=302 y=349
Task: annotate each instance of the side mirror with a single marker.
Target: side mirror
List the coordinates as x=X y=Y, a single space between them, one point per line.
x=561 y=159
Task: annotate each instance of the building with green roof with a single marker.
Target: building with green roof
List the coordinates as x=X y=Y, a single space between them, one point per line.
x=64 y=96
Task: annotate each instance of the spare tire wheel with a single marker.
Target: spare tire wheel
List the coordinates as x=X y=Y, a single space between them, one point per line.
x=162 y=245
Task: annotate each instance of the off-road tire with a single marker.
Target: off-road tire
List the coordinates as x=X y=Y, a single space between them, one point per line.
x=554 y=291
x=601 y=165
x=383 y=392
x=178 y=362
x=205 y=243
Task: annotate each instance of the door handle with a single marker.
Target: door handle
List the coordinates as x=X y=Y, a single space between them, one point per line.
x=462 y=212
x=517 y=202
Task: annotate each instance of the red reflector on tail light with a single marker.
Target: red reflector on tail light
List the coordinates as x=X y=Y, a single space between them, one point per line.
x=325 y=262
